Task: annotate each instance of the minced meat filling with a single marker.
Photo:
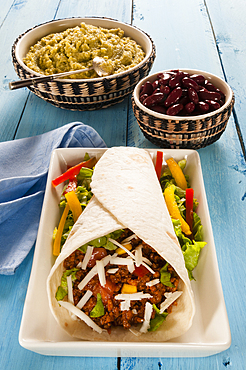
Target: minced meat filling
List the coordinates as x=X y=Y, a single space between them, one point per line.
x=113 y=315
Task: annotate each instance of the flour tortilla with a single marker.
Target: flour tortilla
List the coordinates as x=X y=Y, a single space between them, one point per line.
x=127 y=194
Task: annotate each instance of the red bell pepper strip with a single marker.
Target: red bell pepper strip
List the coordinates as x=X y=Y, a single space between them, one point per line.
x=74 y=171
x=189 y=194
x=158 y=164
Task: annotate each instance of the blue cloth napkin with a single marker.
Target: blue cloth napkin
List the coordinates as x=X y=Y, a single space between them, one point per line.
x=23 y=173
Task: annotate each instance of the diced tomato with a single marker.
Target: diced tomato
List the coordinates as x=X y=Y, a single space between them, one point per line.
x=72 y=185
x=140 y=271
x=106 y=292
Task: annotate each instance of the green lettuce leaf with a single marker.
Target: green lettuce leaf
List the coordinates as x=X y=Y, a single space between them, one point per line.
x=98 y=309
x=165 y=278
x=62 y=289
x=158 y=319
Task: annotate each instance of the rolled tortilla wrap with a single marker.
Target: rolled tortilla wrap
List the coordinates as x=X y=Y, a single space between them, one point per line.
x=127 y=194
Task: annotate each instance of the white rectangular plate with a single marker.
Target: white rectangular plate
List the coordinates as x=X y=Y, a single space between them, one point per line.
x=39 y=332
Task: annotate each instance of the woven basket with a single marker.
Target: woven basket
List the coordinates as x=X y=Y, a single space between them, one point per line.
x=185 y=134
x=87 y=94
x=192 y=132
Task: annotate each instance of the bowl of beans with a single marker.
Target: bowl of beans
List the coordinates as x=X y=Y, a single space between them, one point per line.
x=182 y=108
x=72 y=44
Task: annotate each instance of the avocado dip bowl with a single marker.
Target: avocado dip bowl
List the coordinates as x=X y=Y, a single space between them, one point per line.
x=71 y=44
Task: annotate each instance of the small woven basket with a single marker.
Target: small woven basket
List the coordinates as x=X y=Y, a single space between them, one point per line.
x=87 y=94
x=185 y=134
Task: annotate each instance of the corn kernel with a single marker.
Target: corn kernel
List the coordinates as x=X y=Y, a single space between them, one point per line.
x=121 y=251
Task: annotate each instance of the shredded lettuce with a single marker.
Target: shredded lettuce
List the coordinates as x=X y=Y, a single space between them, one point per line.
x=165 y=278
x=62 y=289
x=158 y=319
x=103 y=241
x=98 y=309
x=191 y=249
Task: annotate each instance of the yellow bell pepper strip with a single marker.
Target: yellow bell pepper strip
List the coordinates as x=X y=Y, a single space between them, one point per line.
x=158 y=164
x=74 y=204
x=177 y=173
x=128 y=289
x=57 y=241
x=174 y=210
x=74 y=171
x=189 y=194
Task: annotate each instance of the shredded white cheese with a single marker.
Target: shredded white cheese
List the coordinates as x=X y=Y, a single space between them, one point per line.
x=127 y=240
x=133 y=296
x=147 y=316
x=70 y=289
x=77 y=312
x=138 y=255
x=153 y=282
x=120 y=261
x=125 y=305
x=170 y=298
x=87 y=257
x=84 y=299
x=122 y=246
x=148 y=267
x=92 y=273
x=101 y=272
x=113 y=271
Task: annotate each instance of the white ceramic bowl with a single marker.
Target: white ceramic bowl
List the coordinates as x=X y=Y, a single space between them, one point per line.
x=84 y=94
x=187 y=132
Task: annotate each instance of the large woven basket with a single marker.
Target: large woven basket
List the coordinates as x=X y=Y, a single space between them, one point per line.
x=182 y=132
x=85 y=94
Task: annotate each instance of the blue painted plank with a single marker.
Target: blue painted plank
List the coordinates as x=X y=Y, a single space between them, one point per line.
x=228 y=19
x=22 y=15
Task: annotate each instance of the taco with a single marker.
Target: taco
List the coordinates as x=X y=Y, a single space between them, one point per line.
x=121 y=274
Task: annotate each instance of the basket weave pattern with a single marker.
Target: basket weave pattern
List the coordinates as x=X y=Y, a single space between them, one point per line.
x=186 y=134
x=87 y=94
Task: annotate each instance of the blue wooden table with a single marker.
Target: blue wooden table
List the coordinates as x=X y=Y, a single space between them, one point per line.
x=200 y=34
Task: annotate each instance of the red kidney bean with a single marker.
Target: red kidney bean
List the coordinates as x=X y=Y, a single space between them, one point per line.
x=213 y=105
x=190 y=107
x=209 y=95
x=175 y=80
x=97 y=254
x=155 y=98
x=200 y=79
x=174 y=109
x=193 y=96
x=165 y=89
x=164 y=79
x=184 y=100
x=184 y=92
x=147 y=88
x=188 y=82
x=159 y=109
x=173 y=97
x=155 y=84
x=203 y=107
x=143 y=97
x=209 y=86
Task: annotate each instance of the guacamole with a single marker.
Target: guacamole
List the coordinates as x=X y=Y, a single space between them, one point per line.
x=76 y=47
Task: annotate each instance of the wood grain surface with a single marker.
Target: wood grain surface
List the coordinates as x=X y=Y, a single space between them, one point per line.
x=207 y=35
